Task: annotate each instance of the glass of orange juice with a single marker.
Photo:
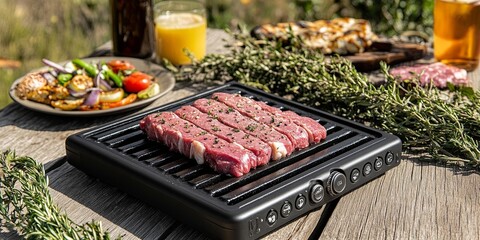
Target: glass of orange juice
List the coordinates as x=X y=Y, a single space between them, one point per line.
x=457 y=32
x=180 y=31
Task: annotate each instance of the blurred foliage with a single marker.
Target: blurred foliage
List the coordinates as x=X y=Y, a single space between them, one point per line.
x=394 y=17
x=56 y=29
x=65 y=29
x=388 y=17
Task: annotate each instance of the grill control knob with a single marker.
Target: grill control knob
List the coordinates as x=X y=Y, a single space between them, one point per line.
x=389 y=158
x=336 y=183
x=316 y=193
x=300 y=201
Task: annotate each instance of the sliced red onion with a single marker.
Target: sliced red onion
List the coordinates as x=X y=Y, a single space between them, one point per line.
x=76 y=94
x=100 y=82
x=53 y=72
x=96 y=81
x=93 y=97
x=56 y=66
x=104 y=85
x=48 y=76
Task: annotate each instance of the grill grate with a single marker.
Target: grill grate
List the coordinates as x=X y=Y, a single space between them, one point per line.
x=148 y=169
x=130 y=140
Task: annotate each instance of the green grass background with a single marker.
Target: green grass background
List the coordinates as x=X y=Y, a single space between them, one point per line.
x=64 y=29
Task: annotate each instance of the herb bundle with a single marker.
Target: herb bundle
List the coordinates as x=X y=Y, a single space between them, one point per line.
x=27 y=207
x=446 y=124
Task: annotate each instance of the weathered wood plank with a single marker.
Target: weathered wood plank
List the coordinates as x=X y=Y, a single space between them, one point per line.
x=217 y=40
x=85 y=198
x=413 y=201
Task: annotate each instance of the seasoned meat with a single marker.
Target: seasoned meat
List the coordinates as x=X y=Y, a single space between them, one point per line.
x=280 y=144
x=250 y=108
x=316 y=132
x=340 y=35
x=30 y=83
x=188 y=139
x=35 y=87
x=232 y=135
x=438 y=74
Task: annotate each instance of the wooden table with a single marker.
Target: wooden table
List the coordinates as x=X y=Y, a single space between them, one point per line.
x=415 y=200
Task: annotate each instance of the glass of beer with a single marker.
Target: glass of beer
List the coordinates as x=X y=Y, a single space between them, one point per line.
x=457 y=32
x=180 y=31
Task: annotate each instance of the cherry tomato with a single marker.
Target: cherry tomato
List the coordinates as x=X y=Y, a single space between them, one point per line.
x=120 y=65
x=136 y=82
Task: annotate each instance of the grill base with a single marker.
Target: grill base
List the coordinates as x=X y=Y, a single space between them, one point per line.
x=248 y=207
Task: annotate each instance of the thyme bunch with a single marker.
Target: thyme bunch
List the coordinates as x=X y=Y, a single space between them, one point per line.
x=444 y=123
x=27 y=207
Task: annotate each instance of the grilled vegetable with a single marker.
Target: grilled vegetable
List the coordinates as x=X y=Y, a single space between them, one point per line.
x=151 y=91
x=67 y=104
x=50 y=76
x=129 y=99
x=112 y=96
x=80 y=83
x=85 y=85
x=64 y=78
x=93 y=97
x=101 y=83
x=137 y=82
x=114 y=77
x=56 y=66
x=90 y=69
x=120 y=65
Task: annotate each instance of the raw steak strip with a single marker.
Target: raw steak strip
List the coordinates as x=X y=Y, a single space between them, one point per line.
x=184 y=137
x=229 y=134
x=437 y=73
x=280 y=144
x=250 y=108
x=316 y=132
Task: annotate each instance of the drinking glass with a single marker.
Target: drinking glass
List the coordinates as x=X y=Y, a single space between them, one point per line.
x=180 y=31
x=457 y=32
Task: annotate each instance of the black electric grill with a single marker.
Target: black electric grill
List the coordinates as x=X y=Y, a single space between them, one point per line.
x=226 y=207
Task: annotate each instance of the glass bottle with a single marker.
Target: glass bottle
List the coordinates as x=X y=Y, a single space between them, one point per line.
x=132 y=28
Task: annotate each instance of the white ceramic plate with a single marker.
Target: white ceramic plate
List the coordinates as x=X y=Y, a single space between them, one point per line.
x=162 y=77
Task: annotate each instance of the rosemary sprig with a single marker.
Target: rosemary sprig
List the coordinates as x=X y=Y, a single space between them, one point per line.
x=422 y=117
x=27 y=207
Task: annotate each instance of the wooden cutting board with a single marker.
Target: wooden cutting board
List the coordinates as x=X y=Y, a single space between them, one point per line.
x=390 y=52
